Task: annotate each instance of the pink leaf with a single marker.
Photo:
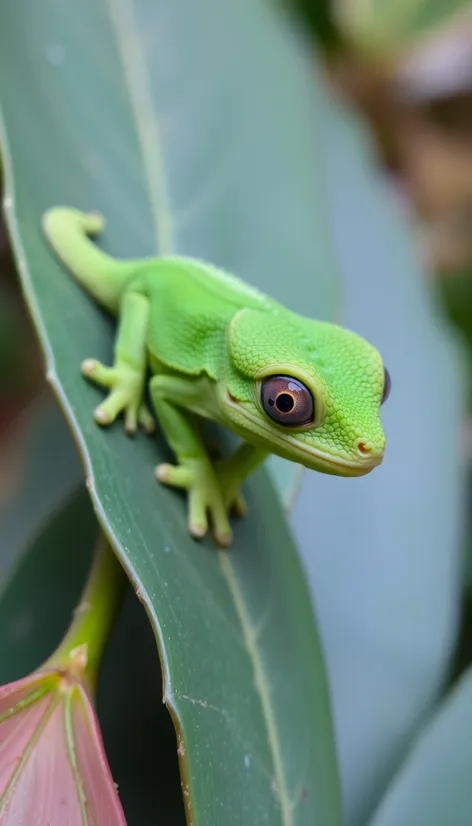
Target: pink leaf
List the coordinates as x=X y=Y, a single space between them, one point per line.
x=53 y=767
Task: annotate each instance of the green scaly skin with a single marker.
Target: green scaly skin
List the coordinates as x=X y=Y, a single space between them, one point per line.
x=210 y=342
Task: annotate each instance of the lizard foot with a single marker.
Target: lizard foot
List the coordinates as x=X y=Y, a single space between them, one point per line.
x=204 y=497
x=126 y=385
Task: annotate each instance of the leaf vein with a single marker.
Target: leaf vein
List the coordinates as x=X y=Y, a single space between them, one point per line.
x=147 y=127
x=262 y=688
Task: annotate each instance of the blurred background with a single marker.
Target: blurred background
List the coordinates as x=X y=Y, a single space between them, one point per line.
x=398 y=80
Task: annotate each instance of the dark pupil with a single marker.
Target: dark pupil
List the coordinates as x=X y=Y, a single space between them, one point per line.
x=285 y=402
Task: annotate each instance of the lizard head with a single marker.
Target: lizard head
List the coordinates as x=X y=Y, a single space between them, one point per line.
x=308 y=391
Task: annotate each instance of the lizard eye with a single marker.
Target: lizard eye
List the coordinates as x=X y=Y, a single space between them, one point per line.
x=287 y=401
x=387 y=386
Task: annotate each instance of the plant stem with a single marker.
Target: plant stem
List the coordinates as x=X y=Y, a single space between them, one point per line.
x=81 y=650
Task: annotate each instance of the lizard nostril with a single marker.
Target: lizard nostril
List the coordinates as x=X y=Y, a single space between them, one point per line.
x=363 y=449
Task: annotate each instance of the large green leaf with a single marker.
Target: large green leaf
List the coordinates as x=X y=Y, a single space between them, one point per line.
x=434 y=784
x=388 y=591
x=191 y=127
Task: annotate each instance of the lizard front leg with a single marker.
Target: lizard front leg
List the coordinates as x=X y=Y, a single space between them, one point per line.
x=127 y=376
x=194 y=471
x=233 y=470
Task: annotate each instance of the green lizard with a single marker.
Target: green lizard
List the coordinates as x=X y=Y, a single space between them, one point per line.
x=306 y=390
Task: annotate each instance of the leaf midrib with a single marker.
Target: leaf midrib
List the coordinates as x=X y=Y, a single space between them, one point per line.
x=147 y=128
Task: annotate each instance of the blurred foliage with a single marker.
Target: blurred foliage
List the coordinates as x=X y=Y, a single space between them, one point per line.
x=455 y=291
x=39 y=466
x=319 y=19
x=417 y=98
x=12 y=349
x=382 y=29
x=20 y=371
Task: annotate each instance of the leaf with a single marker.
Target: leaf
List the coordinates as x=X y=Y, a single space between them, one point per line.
x=49 y=470
x=383 y=28
x=148 y=113
x=12 y=350
x=36 y=606
x=433 y=786
x=388 y=592
x=148 y=777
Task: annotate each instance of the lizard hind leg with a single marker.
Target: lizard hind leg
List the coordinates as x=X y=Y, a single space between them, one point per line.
x=193 y=472
x=104 y=277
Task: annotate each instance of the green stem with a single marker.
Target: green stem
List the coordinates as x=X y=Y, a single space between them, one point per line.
x=82 y=648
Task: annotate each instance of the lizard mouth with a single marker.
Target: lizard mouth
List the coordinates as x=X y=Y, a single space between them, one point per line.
x=331 y=464
x=310 y=457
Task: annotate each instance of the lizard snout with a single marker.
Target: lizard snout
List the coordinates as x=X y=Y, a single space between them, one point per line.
x=368 y=450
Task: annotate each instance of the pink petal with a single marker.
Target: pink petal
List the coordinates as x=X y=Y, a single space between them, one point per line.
x=45 y=791
x=16 y=730
x=15 y=734
x=100 y=791
x=12 y=693
x=53 y=767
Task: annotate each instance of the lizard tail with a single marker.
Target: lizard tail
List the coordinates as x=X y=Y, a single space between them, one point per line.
x=102 y=276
